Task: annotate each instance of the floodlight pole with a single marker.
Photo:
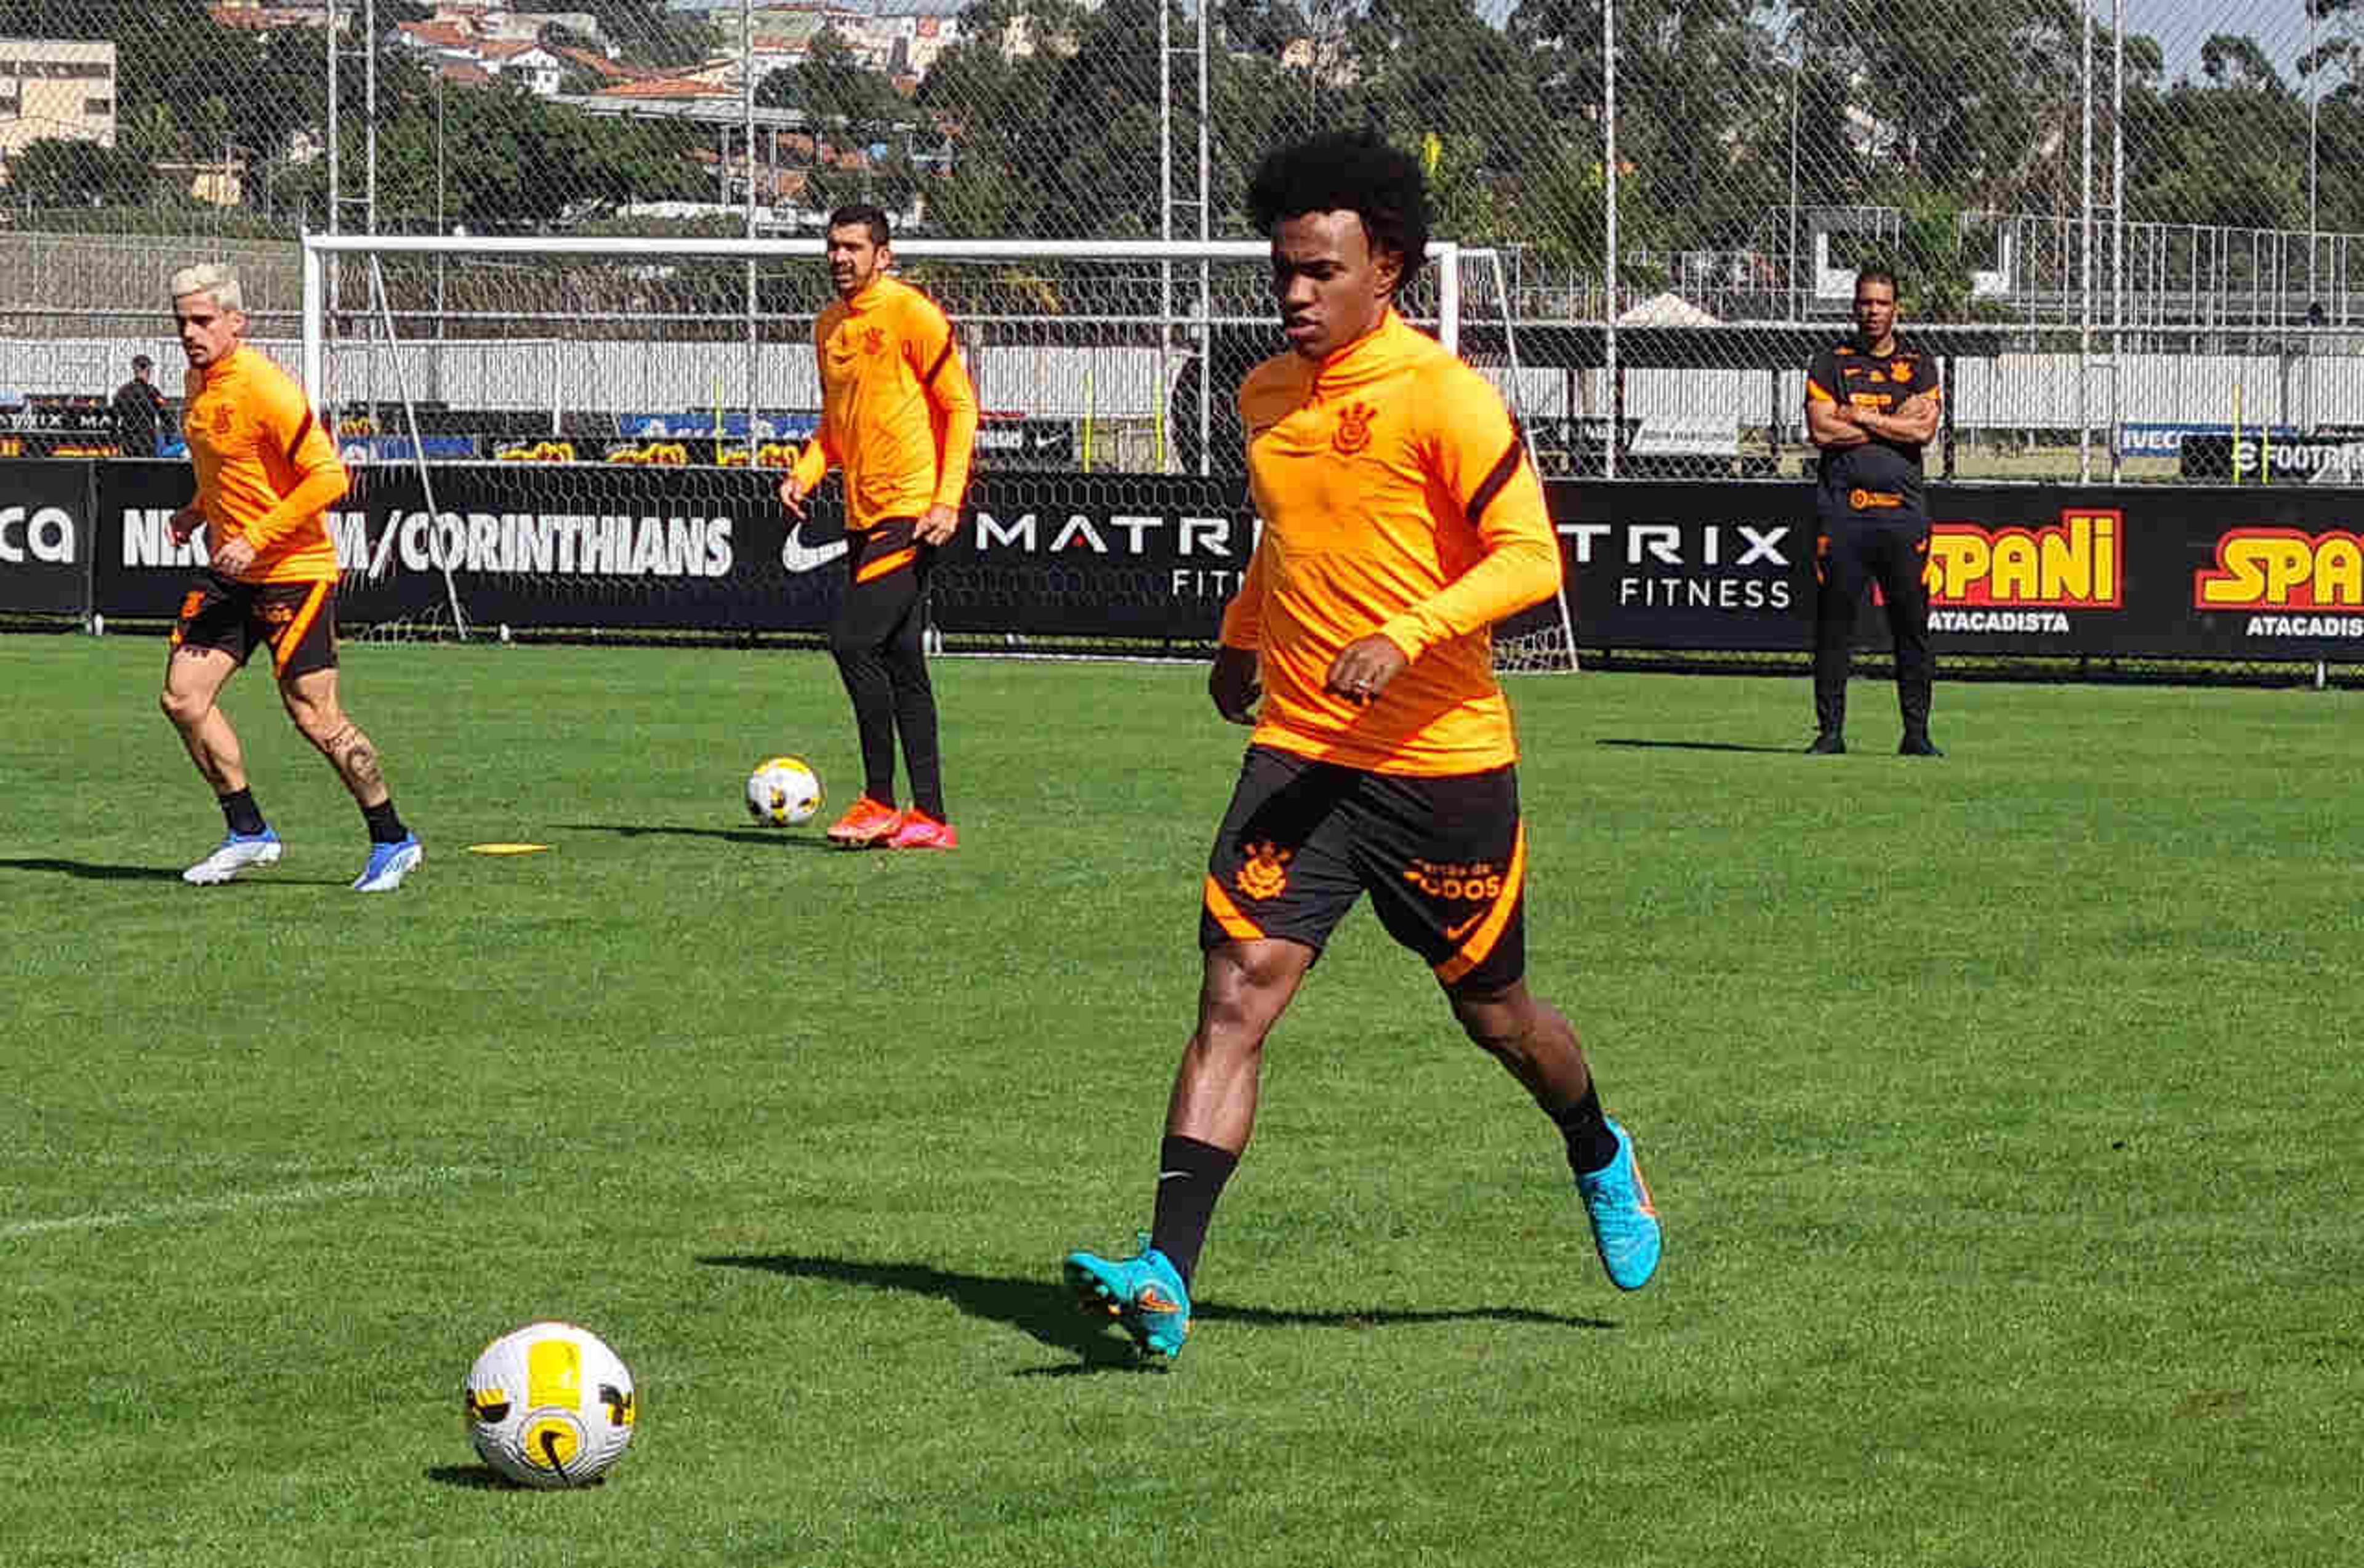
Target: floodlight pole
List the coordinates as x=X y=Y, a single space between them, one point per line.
x=2118 y=232
x=1206 y=273
x=1165 y=219
x=747 y=114
x=2085 y=254
x=1797 y=84
x=1609 y=170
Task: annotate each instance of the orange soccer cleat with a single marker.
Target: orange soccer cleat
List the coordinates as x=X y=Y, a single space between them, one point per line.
x=865 y=823
x=922 y=831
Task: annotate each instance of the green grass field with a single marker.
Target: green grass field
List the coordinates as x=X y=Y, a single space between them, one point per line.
x=2004 y=1113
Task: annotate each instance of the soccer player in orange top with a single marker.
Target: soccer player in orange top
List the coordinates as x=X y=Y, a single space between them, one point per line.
x=265 y=472
x=898 y=412
x=1401 y=520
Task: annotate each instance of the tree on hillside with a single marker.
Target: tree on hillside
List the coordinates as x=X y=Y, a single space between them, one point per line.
x=512 y=161
x=2237 y=61
x=832 y=87
x=60 y=172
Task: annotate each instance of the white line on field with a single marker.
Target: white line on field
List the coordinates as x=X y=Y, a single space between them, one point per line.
x=375 y=1185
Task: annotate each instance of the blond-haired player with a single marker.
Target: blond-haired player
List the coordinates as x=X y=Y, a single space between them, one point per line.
x=267 y=474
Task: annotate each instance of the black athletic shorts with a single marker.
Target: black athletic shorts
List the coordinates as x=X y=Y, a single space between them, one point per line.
x=298 y=621
x=1445 y=861
x=886 y=547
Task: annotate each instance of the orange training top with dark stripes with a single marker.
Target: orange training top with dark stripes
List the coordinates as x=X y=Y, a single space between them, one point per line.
x=896 y=410
x=266 y=471
x=1397 y=498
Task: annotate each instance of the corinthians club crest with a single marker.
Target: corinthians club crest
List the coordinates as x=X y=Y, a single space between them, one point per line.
x=1354 y=432
x=1265 y=872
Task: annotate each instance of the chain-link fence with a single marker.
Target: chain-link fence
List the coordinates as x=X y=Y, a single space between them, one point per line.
x=2119 y=227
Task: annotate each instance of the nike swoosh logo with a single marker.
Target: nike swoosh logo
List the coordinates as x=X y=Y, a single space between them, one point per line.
x=798 y=557
x=1169 y=1175
x=1454 y=933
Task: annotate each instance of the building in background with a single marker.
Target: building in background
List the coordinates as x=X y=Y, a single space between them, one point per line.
x=55 y=89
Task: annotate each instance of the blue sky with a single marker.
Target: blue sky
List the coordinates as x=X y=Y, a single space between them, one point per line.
x=2179 y=26
x=2182 y=25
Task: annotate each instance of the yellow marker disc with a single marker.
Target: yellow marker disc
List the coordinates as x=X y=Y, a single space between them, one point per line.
x=506 y=848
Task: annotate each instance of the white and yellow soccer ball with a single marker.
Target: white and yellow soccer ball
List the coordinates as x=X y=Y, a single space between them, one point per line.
x=782 y=792
x=551 y=1405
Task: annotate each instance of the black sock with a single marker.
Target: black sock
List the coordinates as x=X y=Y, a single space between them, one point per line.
x=384 y=827
x=1190 y=1177
x=241 y=812
x=1591 y=1144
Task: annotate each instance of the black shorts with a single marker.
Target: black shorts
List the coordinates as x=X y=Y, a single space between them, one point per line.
x=298 y=621
x=1445 y=861
x=889 y=546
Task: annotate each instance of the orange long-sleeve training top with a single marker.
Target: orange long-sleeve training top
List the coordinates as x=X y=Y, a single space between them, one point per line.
x=897 y=408
x=1397 y=498
x=266 y=471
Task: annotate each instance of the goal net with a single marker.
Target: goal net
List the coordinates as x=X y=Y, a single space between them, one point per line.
x=586 y=431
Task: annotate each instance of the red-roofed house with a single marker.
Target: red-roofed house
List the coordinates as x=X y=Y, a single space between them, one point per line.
x=529 y=64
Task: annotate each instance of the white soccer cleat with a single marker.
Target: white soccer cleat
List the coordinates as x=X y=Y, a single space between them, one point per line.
x=388 y=864
x=237 y=852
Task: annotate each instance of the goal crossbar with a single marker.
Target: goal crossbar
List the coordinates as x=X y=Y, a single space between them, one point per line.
x=1099 y=352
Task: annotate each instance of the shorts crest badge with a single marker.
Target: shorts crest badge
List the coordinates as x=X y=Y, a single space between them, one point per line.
x=1265 y=871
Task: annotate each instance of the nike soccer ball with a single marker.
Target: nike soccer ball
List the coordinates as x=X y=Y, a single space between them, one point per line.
x=551 y=1405
x=782 y=792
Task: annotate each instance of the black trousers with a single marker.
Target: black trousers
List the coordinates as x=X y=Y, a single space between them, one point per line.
x=877 y=639
x=1853 y=551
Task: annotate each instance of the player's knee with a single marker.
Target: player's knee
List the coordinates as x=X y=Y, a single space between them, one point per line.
x=1244 y=992
x=318 y=722
x=184 y=709
x=1501 y=1023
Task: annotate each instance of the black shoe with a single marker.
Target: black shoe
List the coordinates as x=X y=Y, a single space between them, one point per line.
x=1918 y=746
x=1827 y=744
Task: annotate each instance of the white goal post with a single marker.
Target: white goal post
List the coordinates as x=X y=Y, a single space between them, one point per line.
x=1127 y=351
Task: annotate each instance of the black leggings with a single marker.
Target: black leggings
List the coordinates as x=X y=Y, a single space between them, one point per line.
x=876 y=642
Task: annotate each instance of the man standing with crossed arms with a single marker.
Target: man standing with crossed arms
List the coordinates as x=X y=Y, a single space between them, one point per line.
x=266 y=473
x=1871 y=405
x=898 y=414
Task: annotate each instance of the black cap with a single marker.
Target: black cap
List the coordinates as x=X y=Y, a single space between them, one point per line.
x=142 y=362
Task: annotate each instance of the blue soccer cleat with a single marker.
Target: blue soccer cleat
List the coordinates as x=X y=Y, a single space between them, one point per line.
x=237 y=852
x=1624 y=1223
x=388 y=864
x=1144 y=1293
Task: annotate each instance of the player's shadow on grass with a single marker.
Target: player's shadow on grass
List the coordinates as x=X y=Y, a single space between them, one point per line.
x=471 y=1477
x=776 y=839
x=90 y=872
x=1640 y=745
x=1045 y=1312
